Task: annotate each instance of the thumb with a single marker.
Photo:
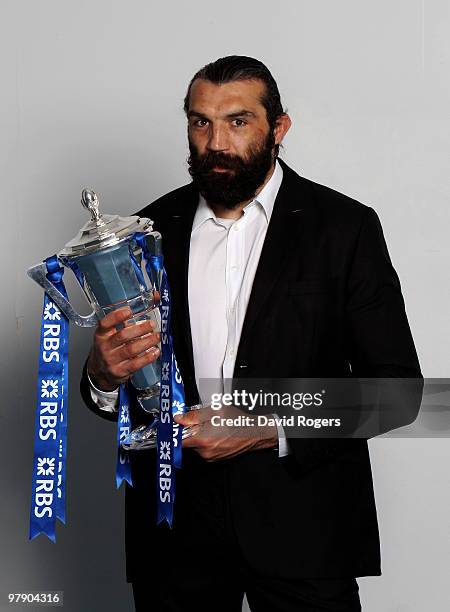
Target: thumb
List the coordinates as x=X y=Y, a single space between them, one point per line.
x=185 y=419
x=190 y=410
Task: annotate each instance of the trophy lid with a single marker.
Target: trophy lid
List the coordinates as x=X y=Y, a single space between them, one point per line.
x=102 y=230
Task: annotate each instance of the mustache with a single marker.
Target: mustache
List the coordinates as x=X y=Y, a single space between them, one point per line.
x=205 y=163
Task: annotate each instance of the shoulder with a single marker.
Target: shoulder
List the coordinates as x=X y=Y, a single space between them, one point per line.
x=335 y=208
x=170 y=203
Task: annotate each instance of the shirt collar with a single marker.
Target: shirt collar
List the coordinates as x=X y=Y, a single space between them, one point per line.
x=265 y=198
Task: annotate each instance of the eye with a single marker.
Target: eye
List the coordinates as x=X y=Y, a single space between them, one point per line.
x=239 y=122
x=199 y=123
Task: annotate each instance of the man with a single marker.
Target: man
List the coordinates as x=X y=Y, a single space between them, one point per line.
x=272 y=276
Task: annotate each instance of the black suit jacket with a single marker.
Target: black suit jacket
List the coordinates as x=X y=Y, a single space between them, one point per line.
x=327 y=299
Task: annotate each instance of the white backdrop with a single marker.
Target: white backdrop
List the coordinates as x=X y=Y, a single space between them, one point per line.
x=91 y=95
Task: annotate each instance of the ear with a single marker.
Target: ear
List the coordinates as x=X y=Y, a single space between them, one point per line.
x=283 y=123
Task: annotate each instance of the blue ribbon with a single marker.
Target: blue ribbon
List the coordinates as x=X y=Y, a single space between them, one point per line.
x=164 y=449
x=137 y=268
x=48 y=499
x=169 y=433
x=123 y=467
x=178 y=402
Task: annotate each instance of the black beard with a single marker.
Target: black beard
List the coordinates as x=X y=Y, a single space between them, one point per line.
x=229 y=189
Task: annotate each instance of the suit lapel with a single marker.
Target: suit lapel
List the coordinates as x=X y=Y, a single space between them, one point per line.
x=291 y=217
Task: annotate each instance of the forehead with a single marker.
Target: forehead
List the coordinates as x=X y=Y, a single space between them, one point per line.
x=211 y=98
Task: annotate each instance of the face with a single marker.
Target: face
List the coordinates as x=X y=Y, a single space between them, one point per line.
x=230 y=141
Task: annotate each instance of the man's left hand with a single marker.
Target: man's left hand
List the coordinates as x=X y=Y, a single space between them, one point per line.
x=215 y=442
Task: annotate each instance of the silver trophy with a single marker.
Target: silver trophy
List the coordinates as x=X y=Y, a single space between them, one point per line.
x=109 y=265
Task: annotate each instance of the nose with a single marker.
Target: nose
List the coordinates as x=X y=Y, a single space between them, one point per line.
x=218 y=139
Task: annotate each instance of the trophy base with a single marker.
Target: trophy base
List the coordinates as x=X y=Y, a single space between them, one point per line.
x=141 y=438
x=144 y=437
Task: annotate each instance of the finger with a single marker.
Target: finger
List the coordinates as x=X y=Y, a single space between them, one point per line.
x=148 y=357
x=133 y=348
x=187 y=419
x=179 y=418
x=197 y=416
x=194 y=440
x=110 y=321
x=131 y=332
x=125 y=369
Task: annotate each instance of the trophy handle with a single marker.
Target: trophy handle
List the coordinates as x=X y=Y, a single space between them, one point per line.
x=39 y=274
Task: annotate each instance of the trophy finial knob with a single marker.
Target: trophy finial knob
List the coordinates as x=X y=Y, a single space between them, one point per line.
x=89 y=200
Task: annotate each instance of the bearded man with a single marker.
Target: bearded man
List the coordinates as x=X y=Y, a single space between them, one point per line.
x=272 y=276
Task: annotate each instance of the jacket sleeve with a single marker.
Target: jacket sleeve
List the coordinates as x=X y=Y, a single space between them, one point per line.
x=379 y=344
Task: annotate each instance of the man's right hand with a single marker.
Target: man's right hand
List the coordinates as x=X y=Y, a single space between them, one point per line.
x=117 y=354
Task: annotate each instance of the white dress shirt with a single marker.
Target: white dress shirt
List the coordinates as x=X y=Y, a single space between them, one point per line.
x=223 y=258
